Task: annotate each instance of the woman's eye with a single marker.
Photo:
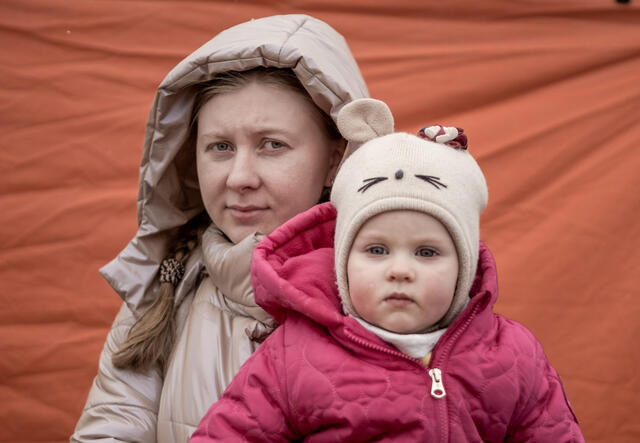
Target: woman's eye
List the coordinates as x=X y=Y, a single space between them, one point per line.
x=376 y=250
x=426 y=252
x=220 y=147
x=273 y=144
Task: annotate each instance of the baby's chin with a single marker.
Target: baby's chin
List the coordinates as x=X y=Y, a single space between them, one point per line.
x=403 y=328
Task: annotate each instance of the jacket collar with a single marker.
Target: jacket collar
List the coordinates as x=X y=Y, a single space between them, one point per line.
x=292 y=269
x=229 y=267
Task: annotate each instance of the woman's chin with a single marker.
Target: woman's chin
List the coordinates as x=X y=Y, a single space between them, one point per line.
x=237 y=232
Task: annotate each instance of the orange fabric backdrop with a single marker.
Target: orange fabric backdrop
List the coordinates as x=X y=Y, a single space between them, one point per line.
x=548 y=91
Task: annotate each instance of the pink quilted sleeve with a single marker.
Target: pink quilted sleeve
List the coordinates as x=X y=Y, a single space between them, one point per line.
x=548 y=415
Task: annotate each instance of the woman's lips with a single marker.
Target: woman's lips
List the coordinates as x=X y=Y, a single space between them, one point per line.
x=245 y=214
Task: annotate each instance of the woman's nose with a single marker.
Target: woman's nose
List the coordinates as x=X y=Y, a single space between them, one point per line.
x=400 y=270
x=243 y=175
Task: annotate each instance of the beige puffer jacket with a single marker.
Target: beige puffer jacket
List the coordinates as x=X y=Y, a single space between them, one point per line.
x=219 y=324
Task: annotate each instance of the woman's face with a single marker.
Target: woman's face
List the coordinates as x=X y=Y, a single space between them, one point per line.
x=263 y=156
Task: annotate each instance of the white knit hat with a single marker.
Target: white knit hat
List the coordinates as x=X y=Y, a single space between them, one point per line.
x=395 y=171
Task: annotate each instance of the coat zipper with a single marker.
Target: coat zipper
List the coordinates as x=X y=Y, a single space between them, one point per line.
x=437 y=388
x=435 y=373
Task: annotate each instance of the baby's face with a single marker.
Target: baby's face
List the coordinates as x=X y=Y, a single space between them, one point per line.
x=402 y=271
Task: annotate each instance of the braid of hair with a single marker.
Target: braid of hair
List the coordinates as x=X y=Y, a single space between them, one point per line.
x=152 y=336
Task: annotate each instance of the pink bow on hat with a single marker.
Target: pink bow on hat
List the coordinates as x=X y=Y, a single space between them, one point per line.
x=447 y=135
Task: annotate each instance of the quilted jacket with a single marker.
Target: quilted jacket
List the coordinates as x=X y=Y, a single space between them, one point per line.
x=219 y=323
x=322 y=377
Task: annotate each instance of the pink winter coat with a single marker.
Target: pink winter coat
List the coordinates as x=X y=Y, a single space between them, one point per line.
x=322 y=377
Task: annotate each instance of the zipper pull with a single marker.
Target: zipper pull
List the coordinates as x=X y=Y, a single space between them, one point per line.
x=437 y=388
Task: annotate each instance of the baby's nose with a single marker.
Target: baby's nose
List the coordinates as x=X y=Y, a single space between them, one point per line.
x=400 y=270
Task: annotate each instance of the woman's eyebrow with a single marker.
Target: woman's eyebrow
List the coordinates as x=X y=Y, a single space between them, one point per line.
x=264 y=129
x=209 y=135
x=260 y=131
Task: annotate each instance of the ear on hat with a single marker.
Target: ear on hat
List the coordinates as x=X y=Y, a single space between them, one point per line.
x=364 y=119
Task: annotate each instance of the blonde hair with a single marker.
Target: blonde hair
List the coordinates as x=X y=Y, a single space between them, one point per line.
x=151 y=338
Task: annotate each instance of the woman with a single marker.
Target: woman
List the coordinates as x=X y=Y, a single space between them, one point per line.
x=239 y=135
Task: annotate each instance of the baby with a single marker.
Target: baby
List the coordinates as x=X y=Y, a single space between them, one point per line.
x=406 y=346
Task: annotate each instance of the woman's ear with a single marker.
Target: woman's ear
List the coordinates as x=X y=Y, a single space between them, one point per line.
x=338 y=148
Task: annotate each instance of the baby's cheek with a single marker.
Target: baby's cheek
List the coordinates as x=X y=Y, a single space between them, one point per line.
x=361 y=300
x=354 y=294
x=371 y=286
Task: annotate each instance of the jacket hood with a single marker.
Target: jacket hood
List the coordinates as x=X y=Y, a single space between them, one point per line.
x=168 y=187
x=293 y=270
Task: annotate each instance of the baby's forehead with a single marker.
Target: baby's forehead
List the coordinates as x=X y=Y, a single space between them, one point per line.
x=402 y=223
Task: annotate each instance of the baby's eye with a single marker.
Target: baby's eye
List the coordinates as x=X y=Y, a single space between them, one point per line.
x=426 y=252
x=376 y=250
x=273 y=144
x=220 y=147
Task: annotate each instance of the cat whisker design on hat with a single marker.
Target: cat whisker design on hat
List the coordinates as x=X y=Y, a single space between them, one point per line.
x=368 y=182
x=435 y=181
x=432 y=180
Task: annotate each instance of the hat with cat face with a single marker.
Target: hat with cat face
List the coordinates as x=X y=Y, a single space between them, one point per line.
x=431 y=173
